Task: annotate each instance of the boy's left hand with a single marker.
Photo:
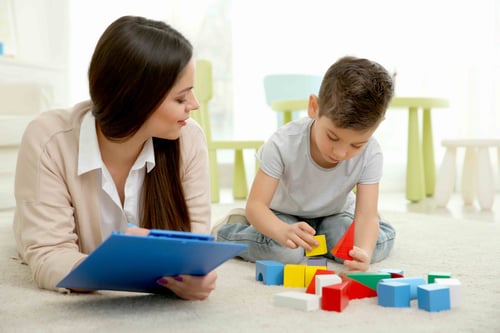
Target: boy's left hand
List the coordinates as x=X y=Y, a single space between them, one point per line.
x=360 y=260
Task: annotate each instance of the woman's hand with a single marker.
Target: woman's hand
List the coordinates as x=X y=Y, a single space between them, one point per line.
x=190 y=287
x=360 y=260
x=137 y=231
x=298 y=234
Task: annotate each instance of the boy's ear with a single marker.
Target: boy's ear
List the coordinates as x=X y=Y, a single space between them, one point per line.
x=312 y=106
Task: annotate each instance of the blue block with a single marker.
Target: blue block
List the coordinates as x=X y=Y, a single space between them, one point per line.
x=434 y=297
x=414 y=282
x=270 y=272
x=393 y=294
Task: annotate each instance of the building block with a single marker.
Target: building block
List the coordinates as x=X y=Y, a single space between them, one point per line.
x=414 y=282
x=358 y=290
x=311 y=272
x=433 y=297
x=320 y=249
x=335 y=297
x=316 y=261
x=433 y=275
x=345 y=244
x=369 y=279
x=393 y=294
x=395 y=272
x=297 y=300
x=326 y=280
x=270 y=272
x=311 y=288
x=455 y=290
x=294 y=276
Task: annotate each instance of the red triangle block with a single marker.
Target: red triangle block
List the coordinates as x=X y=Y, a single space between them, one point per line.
x=311 y=288
x=357 y=290
x=345 y=244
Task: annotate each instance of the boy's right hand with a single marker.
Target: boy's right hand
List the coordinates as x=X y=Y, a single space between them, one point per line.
x=299 y=234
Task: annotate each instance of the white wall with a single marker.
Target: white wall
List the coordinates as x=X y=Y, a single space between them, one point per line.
x=438 y=48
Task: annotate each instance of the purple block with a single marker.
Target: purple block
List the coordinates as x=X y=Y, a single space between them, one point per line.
x=316 y=262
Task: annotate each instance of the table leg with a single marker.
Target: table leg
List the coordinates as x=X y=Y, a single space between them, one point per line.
x=428 y=154
x=415 y=181
x=287 y=117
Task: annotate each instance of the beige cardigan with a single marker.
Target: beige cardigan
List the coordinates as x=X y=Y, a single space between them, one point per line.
x=57 y=216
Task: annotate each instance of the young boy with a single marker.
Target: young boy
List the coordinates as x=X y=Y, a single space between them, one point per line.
x=309 y=168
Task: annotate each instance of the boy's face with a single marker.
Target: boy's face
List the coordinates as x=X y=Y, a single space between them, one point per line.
x=331 y=144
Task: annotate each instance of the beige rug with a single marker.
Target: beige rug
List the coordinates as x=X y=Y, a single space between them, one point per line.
x=469 y=249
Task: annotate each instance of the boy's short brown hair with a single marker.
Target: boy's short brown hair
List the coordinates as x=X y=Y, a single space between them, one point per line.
x=355 y=93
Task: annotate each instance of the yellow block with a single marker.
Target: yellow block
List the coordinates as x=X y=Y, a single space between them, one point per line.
x=294 y=276
x=320 y=249
x=310 y=271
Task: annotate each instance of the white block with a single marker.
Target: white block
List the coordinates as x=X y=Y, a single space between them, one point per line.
x=455 y=290
x=325 y=280
x=297 y=300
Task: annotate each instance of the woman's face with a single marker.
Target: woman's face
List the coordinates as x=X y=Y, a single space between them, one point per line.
x=168 y=119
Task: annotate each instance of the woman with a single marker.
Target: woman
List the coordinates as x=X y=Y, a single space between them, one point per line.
x=130 y=155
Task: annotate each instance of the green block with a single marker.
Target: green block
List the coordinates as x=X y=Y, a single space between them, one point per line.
x=369 y=279
x=437 y=275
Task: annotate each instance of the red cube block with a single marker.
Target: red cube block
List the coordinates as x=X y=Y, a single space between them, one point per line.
x=335 y=297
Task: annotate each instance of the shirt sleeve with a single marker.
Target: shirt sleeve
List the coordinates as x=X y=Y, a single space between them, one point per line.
x=373 y=164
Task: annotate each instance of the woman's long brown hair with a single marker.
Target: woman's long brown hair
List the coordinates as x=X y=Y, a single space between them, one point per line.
x=135 y=64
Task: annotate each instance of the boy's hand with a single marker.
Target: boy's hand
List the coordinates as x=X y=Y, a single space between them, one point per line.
x=299 y=234
x=360 y=260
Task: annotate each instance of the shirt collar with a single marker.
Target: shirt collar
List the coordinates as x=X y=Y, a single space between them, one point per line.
x=89 y=154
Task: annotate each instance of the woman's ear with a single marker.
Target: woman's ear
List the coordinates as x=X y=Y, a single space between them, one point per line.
x=312 y=106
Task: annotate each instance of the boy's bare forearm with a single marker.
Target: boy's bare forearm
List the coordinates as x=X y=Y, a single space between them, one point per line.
x=366 y=233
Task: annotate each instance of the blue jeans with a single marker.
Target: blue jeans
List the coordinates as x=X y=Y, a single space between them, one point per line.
x=261 y=247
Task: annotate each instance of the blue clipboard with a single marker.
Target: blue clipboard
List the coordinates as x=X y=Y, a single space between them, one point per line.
x=134 y=263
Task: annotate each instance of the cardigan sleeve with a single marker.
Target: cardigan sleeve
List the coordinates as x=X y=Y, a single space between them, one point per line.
x=44 y=224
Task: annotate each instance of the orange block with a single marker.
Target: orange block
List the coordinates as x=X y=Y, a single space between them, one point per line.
x=345 y=244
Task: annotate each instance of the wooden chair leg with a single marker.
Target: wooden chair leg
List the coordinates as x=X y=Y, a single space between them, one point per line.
x=240 y=190
x=214 y=176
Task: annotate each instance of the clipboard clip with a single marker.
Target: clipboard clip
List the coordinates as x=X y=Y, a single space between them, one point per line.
x=179 y=235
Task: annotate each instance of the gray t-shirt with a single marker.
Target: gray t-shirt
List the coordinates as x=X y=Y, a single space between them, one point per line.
x=306 y=189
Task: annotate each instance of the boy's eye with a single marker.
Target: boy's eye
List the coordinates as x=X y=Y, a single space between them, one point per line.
x=332 y=138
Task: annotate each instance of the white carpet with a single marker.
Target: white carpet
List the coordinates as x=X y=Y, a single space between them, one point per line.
x=469 y=249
